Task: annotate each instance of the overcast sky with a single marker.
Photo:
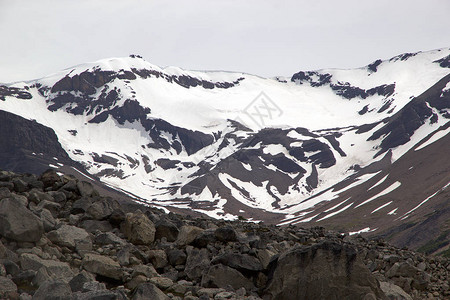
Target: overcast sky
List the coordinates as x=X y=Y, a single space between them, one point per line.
x=267 y=38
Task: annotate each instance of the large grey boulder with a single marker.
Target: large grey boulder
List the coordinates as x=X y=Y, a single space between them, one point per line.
x=239 y=261
x=55 y=269
x=187 y=235
x=220 y=276
x=148 y=290
x=102 y=265
x=138 y=229
x=327 y=270
x=197 y=262
x=67 y=235
x=53 y=290
x=394 y=292
x=18 y=223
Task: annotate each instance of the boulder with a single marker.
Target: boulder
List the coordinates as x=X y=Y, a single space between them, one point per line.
x=138 y=229
x=53 y=207
x=20 y=186
x=327 y=270
x=109 y=238
x=165 y=228
x=176 y=257
x=239 y=261
x=102 y=265
x=53 y=290
x=67 y=235
x=394 y=292
x=204 y=239
x=55 y=269
x=197 y=262
x=158 y=258
x=220 y=276
x=8 y=289
x=187 y=235
x=77 y=282
x=403 y=269
x=18 y=223
x=49 y=178
x=86 y=189
x=226 y=234
x=101 y=208
x=148 y=290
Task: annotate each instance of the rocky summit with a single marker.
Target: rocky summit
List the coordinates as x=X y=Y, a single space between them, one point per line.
x=61 y=239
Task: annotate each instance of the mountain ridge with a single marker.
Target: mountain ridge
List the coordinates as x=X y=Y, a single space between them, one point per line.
x=235 y=145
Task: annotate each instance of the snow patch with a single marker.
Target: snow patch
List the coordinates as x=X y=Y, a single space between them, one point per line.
x=386 y=191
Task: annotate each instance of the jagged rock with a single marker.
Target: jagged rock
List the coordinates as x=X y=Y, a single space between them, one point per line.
x=204 y=239
x=226 y=234
x=402 y=269
x=109 y=238
x=11 y=267
x=187 y=235
x=148 y=291
x=165 y=228
x=176 y=257
x=102 y=265
x=20 y=186
x=53 y=290
x=77 y=282
x=67 y=235
x=327 y=270
x=18 y=223
x=197 y=262
x=161 y=282
x=243 y=262
x=8 y=289
x=101 y=208
x=394 y=292
x=47 y=219
x=55 y=269
x=265 y=257
x=86 y=189
x=49 y=178
x=138 y=228
x=93 y=286
x=146 y=270
x=220 y=276
x=158 y=258
x=53 y=207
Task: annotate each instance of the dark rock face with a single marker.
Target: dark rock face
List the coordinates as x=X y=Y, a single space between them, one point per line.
x=14 y=92
x=21 y=138
x=373 y=66
x=444 y=62
x=349 y=92
x=404 y=123
x=323 y=271
x=315 y=79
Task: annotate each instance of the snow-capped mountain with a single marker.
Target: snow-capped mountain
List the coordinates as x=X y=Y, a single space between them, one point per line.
x=343 y=148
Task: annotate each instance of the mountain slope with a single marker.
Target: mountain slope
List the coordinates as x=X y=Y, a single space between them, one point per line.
x=308 y=149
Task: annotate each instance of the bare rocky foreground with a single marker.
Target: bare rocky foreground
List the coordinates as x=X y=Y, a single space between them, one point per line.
x=61 y=240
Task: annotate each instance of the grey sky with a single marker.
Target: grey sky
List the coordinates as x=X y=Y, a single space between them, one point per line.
x=267 y=38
